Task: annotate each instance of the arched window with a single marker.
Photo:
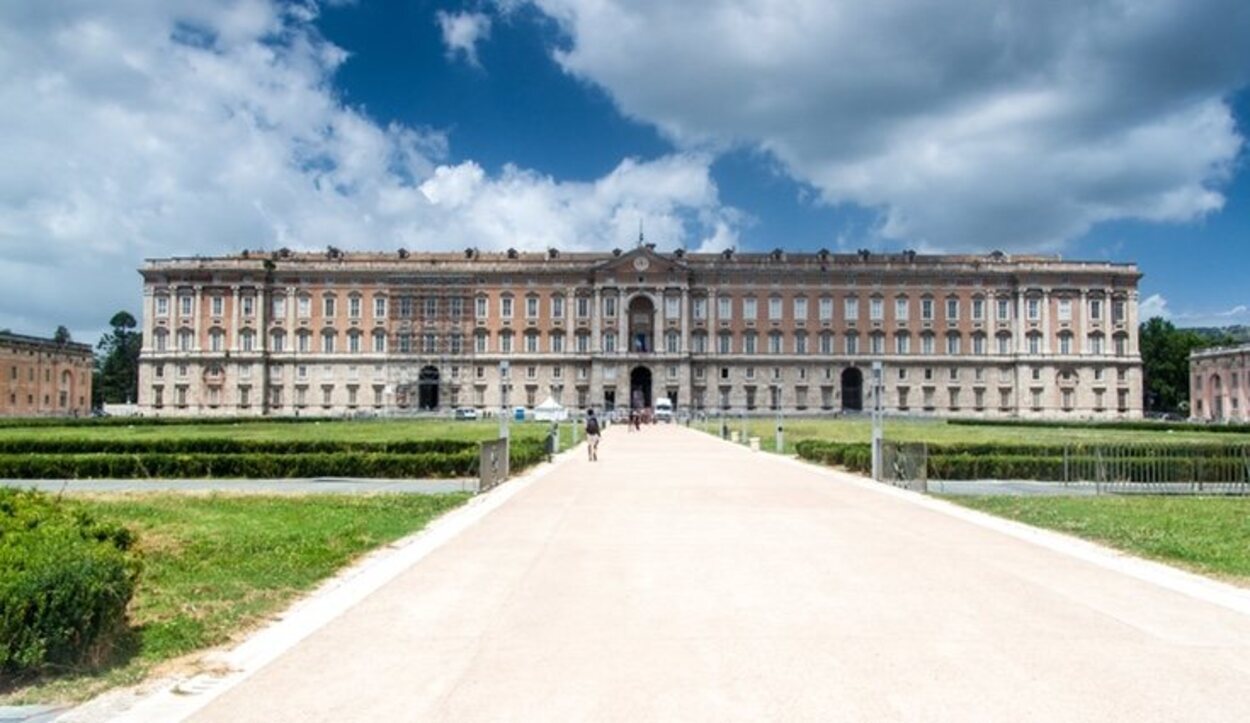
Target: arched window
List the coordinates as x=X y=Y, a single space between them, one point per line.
x=800 y=342
x=303 y=341
x=160 y=340
x=1096 y=343
x=1065 y=343
x=184 y=339
x=672 y=342
x=379 y=342
x=216 y=339
x=328 y=338
x=1004 y=343
x=902 y=343
x=979 y=347
x=277 y=340
x=353 y=341
x=247 y=340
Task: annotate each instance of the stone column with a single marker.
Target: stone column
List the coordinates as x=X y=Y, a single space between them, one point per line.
x=1046 y=330
x=1082 y=334
x=1018 y=323
x=197 y=306
x=596 y=323
x=237 y=316
x=685 y=320
x=149 y=316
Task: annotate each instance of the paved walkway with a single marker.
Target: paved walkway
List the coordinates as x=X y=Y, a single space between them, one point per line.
x=682 y=578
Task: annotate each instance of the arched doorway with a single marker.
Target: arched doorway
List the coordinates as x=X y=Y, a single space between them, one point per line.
x=640 y=388
x=641 y=315
x=427 y=388
x=852 y=390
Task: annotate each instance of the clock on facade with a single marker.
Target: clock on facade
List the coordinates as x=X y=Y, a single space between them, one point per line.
x=641 y=263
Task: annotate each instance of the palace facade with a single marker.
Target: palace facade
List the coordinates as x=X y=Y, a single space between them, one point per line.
x=339 y=333
x=1219 y=386
x=44 y=378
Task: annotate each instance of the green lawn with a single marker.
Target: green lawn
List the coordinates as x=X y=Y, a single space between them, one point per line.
x=377 y=430
x=938 y=432
x=217 y=565
x=1205 y=534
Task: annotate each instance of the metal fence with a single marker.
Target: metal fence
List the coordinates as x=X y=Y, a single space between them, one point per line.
x=1150 y=469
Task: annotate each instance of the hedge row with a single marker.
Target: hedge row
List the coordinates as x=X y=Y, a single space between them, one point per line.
x=65 y=582
x=152 y=421
x=226 y=446
x=967 y=462
x=252 y=465
x=1129 y=425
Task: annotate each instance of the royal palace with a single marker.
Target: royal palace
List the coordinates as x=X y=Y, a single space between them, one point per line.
x=337 y=333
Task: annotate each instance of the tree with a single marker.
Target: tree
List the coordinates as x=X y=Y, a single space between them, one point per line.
x=1165 y=363
x=117 y=362
x=62 y=335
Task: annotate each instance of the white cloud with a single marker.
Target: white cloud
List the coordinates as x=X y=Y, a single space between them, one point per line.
x=181 y=127
x=1152 y=306
x=986 y=123
x=1157 y=305
x=462 y=32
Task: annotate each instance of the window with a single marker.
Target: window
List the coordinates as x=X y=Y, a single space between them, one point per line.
x=1121 y=345
x=926 y=309
x=505 y=306
x=852 y=343
x=700 y=308
x=609 y=342
x=531 y=342
x=902 y=343
x=978 y=309
x=327 y=343
x=750 y=309
x=184 y=305
x=353 y=307
x=279 y=306
x=672 y=342
x=876 y=309
x=162 y=305
x=748 y=342
x=826 y=343
x=479 y=307
x=303 y=341
x=405 y=343
x=978 y=344
x=926 y=344
x=583 y=307
x=531 y=307
x=877 y=343
x=304 y=307
x=850 y=309
x=218 y=305
x=609 y=306
x=900 y=309
x=249 y=306
x=160 y=337
x=800 y=308
x=954 y=344
x=1117 y=312
x=774 y=343
x=379 y=342
x=826 y=309
x=1095 y=309
x=405 y=307
x=215 y=338
x=557 y=307
x=277 y=340
x=800 y=343
x=430 y=304
x=774 y=308
x=698 y=341
x=952 y=374
x=724 y=343
x=952 y=309
x=353 y=342
x=1035 y=343
x=557 y=343
x=1004 y=309
x=672 y=307
x=184 y=340
x=724 y=307
x=379 y=307
x=1064 y=310
x=1034 y=308
x=1065 y=344
x=583 y=343
x=505 y=342
x=1004 y=343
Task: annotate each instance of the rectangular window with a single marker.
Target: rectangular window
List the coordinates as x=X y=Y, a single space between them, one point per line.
x=800 y=343
x=826 y=343
x=505 y=343
x=379 y=307
x=978 y=309
x=405 y=307
x=724 y=343
x=749 y=308
x=304 y=307
x=952 y=309
x=583 y=307
x=249 y=306
x=162 y=306
x=748 y=342
x=583 y=343
x=328 y=311
x=902 y=342
x=505 y=307
x=926 y=309
x=826 y=309
x=1095 y=309
x=431 y=307
x=184 y=305
x=1065 y=344
x=531 y=307
x=1035 y=343
x=877 y=343
x=724 y=307
x=557 y=343
x=327 y=343
x=978 y=345
x=876 y=309
x=531 y=343
x=926 y=344
x=609 y=306
x=700 y=308
x=953 y=345
x=1034 y=307
x=353 y=307
x=379 y=343
x=774 y=343
x=1004 y=344
x=850 y=309
x=800 y=308
x=900 y=309
x=1064 y=310
x=1117 y=311
x=218 y=305
x=609 y=342
x=672 y=307
x=479 y=307
x=1004 y=309
x=557 y=307
x=774 y=308
x=852 y=344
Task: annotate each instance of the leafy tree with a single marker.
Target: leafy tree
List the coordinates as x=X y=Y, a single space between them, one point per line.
x=62 y=335
x=1165 y=363
x=117 y=362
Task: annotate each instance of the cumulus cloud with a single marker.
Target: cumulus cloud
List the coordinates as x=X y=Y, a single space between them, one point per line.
x=462 y=32
x=139 y=129
x=986 y=123
x=1156 y=305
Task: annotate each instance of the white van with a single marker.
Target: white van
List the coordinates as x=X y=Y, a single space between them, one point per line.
x=663 y=410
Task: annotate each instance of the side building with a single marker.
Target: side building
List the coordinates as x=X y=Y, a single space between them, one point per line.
x=1218 y=381
x=339 y=333
x=44 y=378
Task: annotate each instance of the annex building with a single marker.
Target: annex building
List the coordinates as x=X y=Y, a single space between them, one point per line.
x=1219 y=386
x=44 y=378
x=333 y=333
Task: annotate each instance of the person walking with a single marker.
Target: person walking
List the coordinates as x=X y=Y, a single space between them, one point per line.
x=592 y=435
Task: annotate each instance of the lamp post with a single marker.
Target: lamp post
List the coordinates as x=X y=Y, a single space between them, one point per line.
x=503 y=399
x=878 y=421
x=780 y=444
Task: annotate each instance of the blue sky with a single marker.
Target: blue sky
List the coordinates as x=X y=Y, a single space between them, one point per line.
x=1097 y=130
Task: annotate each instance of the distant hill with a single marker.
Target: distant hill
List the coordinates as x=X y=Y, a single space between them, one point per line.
x=1223 y=336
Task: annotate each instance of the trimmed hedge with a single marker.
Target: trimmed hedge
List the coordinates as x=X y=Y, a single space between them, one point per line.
x=226 y=445
x=10 y=422
x=65 y=582
x=856 y=457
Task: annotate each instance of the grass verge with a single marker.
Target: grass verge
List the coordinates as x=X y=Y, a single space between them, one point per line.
x=216 y=566
x=1207 y=535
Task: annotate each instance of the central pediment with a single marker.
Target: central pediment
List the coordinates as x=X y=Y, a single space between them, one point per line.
x=640 y=261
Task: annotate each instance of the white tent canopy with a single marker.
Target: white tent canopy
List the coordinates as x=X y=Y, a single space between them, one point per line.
x=550 y=410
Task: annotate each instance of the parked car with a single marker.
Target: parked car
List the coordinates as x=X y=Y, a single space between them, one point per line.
x=663 y=410
x=466 y=413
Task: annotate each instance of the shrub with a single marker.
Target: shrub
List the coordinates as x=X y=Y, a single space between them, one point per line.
x=251 y=465
x=65 y=582
x=225 y=445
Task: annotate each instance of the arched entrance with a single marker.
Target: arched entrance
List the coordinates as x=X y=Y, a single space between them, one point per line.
x=427 y=388
x=640 y=388
x=641 y=315
x=852 y=390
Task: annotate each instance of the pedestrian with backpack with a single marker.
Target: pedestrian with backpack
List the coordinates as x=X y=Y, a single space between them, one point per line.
x=592 y=435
